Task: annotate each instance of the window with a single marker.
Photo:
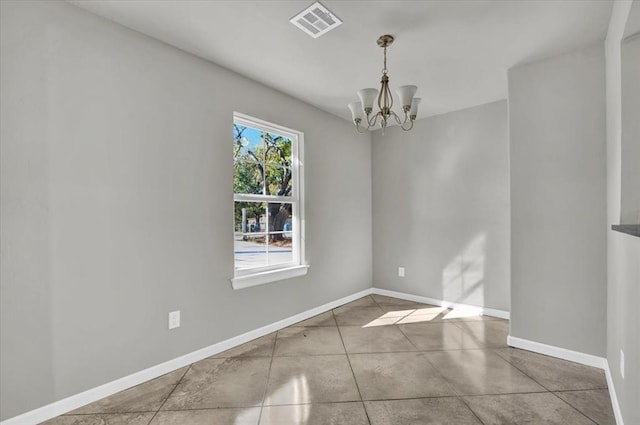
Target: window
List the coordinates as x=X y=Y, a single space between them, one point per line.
x=267 y=198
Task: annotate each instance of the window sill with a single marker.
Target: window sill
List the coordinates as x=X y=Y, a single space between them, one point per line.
x=241 y=282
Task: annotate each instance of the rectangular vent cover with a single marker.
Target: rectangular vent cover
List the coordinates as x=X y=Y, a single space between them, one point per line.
x=316 y=20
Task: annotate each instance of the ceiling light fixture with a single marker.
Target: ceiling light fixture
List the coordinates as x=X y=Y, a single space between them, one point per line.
x=364 y=108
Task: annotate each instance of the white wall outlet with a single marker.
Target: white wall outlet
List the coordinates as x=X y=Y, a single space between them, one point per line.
x=174 y=319
x=622 y=364
x=401 y=271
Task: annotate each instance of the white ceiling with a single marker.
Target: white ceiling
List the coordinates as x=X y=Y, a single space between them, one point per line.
x=456 y=52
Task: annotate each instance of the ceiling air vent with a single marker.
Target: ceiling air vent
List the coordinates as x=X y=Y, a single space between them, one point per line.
x=316 y=20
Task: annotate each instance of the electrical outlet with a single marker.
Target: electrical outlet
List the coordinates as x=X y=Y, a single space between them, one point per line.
x=622 y=364
x=174 y=319
x=401 y=271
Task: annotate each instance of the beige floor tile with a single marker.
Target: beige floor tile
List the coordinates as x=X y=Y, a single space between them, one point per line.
x=489 y=333
x=424 y=314
x=103 y=419
x=324 y=319
x=410 y=360
x=596 y=404
x=464 y=315
x=296 y=341
x=357 y=316
x=407 y=308
x=438 y=336
x=383 y=299
x=525 y=409
x=246 y=416
x=361 y=302
x=555 y=374
x=310 y=379
x=424 y=411
x=480 y=372
x=351 y=413
x=212 y=383
x=382 y=321
x=146 y=397
x=260 y=347
x=378 y=339
x=397 y=375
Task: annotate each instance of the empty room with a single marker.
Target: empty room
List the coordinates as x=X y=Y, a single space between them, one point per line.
x=289 y=212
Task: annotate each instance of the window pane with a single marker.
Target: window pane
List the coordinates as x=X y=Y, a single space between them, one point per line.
x=250 y=240
x=247 y=143
x=278 y=149
x=279 y=219
x=280 y=233
x=249 y=217
x=250 y=252
x=279 y=180
x=247 y=178
x=281 y=251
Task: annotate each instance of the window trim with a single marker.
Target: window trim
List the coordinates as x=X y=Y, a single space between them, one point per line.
x=298 y=267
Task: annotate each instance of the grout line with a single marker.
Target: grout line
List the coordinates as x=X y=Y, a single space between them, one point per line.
x=573 y=407
x=407 y=338
x=495 y=351
x=374 y=300
x=108 y=413
x=579 y=390
x=189 y=409
x=458 y=395
x=389 y=352
x=266 y=385
x=170 y=394
x=543 y=386
x=385 y=312
x=470 y=409
x=351 y=368
x=467 y=332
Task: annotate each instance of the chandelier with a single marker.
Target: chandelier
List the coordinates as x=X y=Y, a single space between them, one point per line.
x=363 y=109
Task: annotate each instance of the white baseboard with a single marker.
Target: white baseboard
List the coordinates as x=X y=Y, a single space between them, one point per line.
x=472 y=309
x=78 y=400
x=614 y=397
x=573 y=356
x=561 y=353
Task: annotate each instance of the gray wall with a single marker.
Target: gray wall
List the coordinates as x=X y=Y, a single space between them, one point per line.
x=630 y=202
x=558 y=236
x=623 y=259
x=117 y=204
x=441 y=207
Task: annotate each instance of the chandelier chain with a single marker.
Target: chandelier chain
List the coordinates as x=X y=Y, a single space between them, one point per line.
x=384 y=69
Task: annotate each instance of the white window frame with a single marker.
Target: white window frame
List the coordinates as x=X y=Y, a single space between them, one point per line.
x=297 y=267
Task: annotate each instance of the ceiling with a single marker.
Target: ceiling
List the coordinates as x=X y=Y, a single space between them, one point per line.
x=456 y=52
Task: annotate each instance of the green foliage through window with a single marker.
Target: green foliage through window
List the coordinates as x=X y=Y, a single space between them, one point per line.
x=262 y=166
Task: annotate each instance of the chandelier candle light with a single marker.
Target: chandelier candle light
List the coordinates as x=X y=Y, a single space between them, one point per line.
x=364 y=108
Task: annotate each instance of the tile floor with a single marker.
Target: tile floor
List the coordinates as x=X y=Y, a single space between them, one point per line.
x=377 y=360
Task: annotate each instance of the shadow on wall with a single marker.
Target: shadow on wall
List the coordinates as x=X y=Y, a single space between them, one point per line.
x=462 y=277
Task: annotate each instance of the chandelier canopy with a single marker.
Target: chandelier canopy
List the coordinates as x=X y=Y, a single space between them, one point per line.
x=363 y=109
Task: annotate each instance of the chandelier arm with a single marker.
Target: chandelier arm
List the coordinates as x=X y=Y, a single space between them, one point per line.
x=372 y=121
x=409 y=128
x=398 y=118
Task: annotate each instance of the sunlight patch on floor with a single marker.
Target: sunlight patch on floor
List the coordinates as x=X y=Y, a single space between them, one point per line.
x=420 y=315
